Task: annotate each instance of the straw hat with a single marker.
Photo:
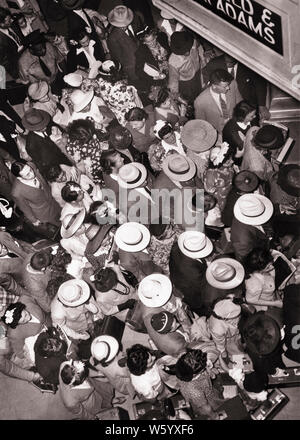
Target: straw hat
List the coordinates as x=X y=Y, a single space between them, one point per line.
x=226 y=309
x=71 y=223
x=253 y=209
x=198 y=135
x=120 y=16
x=225 y=273
x=194 y=244
x=38 y=90
x=104 y=348
x=178 y=167
x=73 y=79
x=132 y=175
x=81 y=99
x=155 y=290
x=36 y=120
x=132 y=237
x=73 y=293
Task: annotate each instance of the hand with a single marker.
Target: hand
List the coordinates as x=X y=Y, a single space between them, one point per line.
x=36 y=377
x=278 y=303
x=287 y=209
x=263 y=113
x=129 y=304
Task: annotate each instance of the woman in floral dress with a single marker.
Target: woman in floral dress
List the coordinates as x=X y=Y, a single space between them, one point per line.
x=85 y=146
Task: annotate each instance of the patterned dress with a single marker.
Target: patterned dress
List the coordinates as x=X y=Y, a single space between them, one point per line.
x=159 y=250
x=218 y=182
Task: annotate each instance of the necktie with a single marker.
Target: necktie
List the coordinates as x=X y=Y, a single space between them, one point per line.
x=130 y=33
x=224 y=108
x=15 y=37
x=44 y=68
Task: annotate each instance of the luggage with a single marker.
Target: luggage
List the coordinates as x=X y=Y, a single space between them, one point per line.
x=268 y=409
x=233 y=409
x=110 y=326
x=290 y=377
x=117 y=413
x=134 y=319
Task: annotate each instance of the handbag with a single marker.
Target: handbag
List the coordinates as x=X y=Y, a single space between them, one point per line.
x=130 y=278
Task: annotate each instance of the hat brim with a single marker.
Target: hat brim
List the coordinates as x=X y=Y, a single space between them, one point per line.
x=203 y=144
x=42 y=92
x=258 y=220
x=141 y=180
x=95 y=243
x=179 y=177
x=136 y=247
x=164 y=294
x=231 y=284
x=37 y=127
x=85 y=293
x=117 y=23
x=67 y=233
x=198 y=254
x=111 y=341
x=87 y=99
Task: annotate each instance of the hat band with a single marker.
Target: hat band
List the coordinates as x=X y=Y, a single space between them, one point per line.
x=71 y=221
x=256 y=215
x=131 y=182
x=179 y=172
x=191 y=250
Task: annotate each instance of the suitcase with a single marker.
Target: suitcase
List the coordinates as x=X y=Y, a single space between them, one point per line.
x=134 y=319
x=110 y=326
x=268 y=409
x=117 y=413
x=233 y=409
x=290 y=378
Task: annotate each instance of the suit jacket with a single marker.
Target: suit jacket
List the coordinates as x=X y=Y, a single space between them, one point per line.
x=44 y=152
x=207 y=109
x=244 y=238
x=18 y=247
x=9 y=55
x=252 y=87
x=74 y=60
x=76 y=23
x=36 y=283
x=18 y=335
x=139 y=263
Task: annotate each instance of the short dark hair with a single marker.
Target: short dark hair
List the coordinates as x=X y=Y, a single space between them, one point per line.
x=81 y=130
x=40 y=260
x=4 y=12
x=105 y=279
x=136 y=114
x=241 y=110
x=69 y=195
x=17 y=167
x=68 y=371
x=220 y=75
x=17 y=309
x=137 y=359
x=166 y=129
x=257 y=260
x=18 y=16
x=120 y=138
x=53 y=173
x=106 y=160
x=189 y=364
x=161 y=97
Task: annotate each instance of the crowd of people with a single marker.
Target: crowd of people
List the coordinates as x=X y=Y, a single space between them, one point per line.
x=101 y=104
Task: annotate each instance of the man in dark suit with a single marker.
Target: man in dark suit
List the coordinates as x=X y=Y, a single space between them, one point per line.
x=252 y=87
x=10 y=44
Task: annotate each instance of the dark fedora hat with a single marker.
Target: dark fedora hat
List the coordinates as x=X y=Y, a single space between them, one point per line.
x=35 y=37
x=289 y=179
x=261 y=334
x=246 y=181
x=269 y=137
x=35 y=120
x=181 y=42
x=94 y=244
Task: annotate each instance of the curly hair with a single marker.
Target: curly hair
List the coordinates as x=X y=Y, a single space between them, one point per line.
x=105 y=279
x=257 y=260
x=81 y=130
x=17 y=309
x=68 y=194
x=189 y=364
x=137 y=359
x=136 y=114
x=106 y=160
x=58 y=271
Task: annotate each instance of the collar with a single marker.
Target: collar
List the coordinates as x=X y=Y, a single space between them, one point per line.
x=243 y=125
x=216 y=96
x=83 y=49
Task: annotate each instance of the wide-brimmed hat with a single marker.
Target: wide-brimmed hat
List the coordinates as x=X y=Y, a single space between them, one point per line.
x=73 y=293
x=162 y=322
x=38 y=90
x=198 y=135
x=81 y=99
x=289 y=179
x=104 y=348
x=195 y=244
x=132 y=175
x=96 y=235
x=72 y=4
x=35 y=120
x=253 y=209
x=269 y=137
x=267 y=330
x=109 y=67
x=246 y=181
x=73 y=79
x=120 y=16
x=132 y=237
x=226 y=309
x=155 y=290
x=225 y=273
x=178 y=167
x=71 y=223
x=181 y=42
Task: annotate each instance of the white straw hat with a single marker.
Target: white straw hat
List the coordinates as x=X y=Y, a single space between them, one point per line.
x=155 y=290
x=73 y=293
x=81 y=99
x=132 y=237
x=178 y=167
x=253 y=209
x=225 y=273
x=73 y=79
x=104 y=348
x=132 y=175
x=195 y=244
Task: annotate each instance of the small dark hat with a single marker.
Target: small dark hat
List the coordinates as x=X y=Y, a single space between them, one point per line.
x=246 y=181
x=181 y=42
x=269 y=137
x=162 y=322
x=35 y=37
x=261 y=334
x=289 y=179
